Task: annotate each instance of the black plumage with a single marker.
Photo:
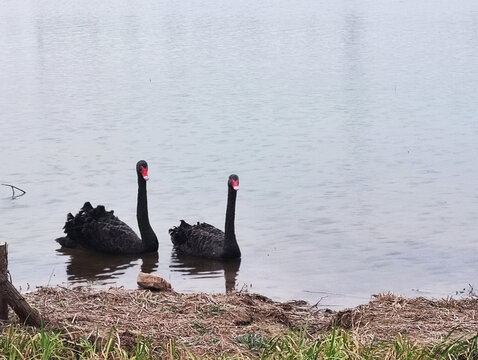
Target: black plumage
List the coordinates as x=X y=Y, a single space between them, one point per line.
x=101 y=230
x=207 y=241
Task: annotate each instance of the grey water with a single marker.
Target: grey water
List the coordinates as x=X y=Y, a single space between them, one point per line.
x=353 y=126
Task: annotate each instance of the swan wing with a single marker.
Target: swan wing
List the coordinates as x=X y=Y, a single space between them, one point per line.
x=111 y=235
x=101 y=230
x=202 y=239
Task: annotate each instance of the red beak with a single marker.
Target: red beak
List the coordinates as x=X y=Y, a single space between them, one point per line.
x=235 y=184
x=144 y=173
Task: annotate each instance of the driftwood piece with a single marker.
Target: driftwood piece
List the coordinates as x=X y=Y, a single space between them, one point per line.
x=13 y=191
x=153 y=282
x=9 y=295
x=3 y=280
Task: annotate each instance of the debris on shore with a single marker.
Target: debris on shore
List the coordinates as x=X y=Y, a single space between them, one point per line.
x=200 y=321
x=214 y=322
x=424 y=320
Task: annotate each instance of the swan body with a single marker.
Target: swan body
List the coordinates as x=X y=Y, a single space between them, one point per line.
x=205 y=240
x=98 y=229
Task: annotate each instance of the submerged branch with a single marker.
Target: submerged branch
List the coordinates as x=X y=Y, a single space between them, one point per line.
x=13 y=191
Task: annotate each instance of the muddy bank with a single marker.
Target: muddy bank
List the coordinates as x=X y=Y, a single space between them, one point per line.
x=214 y=323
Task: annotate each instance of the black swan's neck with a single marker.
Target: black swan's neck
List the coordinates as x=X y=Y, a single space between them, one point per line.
x=231 y=249
x=150 y=241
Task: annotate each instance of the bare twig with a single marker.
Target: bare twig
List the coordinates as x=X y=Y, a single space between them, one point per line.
x=13 y=191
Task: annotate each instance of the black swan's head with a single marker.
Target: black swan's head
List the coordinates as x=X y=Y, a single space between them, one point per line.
x=142 y=170
x=233 y=182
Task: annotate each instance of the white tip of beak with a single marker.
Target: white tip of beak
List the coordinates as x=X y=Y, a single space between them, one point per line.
x=235 y=188
x=146 y=178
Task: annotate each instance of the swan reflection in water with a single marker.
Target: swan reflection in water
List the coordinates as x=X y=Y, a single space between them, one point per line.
x=204 y=268
x=90 y=266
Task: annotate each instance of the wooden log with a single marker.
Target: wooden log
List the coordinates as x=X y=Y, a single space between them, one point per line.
x=10 y=295
x=3 y=279
x=3 y=309
x=25 y=312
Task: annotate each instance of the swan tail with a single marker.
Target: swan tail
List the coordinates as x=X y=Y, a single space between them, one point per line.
x=179 y=234
x=66 y=242
x=77 y=226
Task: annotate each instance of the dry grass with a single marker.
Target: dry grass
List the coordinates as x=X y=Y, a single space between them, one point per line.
x=423 y=320
x=214 y=324
x=202 y=322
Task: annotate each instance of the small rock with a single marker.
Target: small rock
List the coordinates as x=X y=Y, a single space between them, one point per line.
x=152 y=282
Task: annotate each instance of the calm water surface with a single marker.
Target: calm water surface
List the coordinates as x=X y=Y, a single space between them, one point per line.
x=352 y=125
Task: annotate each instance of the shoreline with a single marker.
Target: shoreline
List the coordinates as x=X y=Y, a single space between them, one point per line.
x=212 y=323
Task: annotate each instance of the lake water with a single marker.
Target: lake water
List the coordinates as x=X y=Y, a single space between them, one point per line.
x=353 y=126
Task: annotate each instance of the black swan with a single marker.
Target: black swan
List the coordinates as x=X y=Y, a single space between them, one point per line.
x=205 y=240
x=101 y=230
